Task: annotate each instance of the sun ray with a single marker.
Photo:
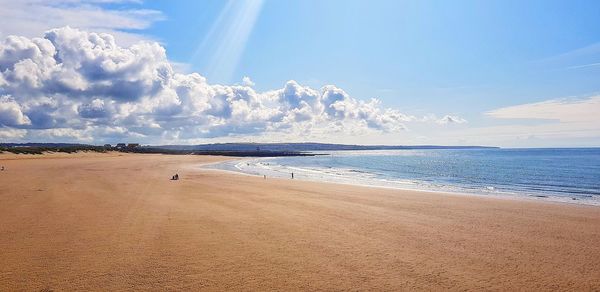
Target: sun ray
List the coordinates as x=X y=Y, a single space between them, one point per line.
x=223 y=45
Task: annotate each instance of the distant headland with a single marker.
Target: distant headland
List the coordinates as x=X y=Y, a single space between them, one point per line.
x=220 y=149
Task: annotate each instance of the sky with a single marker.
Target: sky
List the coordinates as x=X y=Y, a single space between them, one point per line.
x=497 y=73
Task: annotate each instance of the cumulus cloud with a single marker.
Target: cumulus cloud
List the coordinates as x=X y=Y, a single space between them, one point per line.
x=246 y=81
x=448 y=119
x=71 y=84
x=76 y=85
x=8 y=133
x=11 y=114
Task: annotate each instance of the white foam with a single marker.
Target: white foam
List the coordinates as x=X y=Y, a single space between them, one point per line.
x=260 y=167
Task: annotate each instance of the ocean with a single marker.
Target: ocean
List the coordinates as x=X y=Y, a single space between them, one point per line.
x=558 y=174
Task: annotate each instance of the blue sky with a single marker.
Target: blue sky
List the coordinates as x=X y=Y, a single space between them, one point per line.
x=466 y=59
x=427 y=53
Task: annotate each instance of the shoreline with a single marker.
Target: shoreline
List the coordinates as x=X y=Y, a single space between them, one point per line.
x=511 y=196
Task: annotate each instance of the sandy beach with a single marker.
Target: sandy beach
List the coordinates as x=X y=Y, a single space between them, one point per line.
x=116 y=222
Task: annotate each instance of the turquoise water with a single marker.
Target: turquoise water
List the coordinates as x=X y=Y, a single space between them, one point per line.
x=559 y=174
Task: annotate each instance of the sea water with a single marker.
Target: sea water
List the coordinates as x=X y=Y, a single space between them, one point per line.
x=558 y=174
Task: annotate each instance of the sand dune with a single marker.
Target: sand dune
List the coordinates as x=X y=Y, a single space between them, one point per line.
x=116 y=222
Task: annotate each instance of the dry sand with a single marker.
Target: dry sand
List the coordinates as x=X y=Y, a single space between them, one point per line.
x=109 y=222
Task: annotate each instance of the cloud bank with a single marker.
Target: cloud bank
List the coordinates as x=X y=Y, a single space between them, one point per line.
x=556 y=122
x=567 y=111
x=80 y=86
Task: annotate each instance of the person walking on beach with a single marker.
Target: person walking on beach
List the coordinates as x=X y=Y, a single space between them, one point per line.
x=292 y=175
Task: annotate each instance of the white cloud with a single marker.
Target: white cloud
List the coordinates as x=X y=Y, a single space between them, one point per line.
x=7 y=133
x=11 y=114
x=563 y=110
x=32 y=18
x=246 y=81
x=76 y=85
x=558 y=122
x=448 y=119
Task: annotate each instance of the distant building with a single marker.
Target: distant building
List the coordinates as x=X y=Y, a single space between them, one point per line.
x=120 y=145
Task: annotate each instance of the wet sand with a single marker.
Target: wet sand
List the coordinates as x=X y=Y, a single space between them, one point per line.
x=116 y=222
